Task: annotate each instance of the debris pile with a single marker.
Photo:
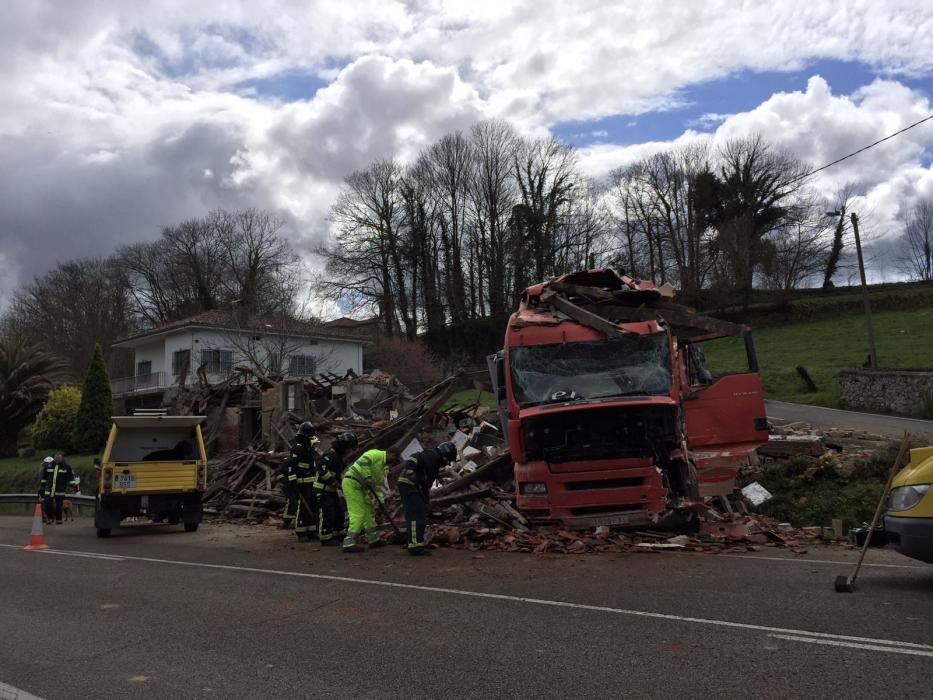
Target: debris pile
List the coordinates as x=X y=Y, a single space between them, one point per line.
x=243 y=484
x=739 y=533
x=838 y=450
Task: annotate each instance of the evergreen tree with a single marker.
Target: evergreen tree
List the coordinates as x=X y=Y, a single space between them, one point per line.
x=93 y=424
x=55 y=425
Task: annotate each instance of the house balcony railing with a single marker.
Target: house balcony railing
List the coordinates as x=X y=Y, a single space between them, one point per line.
x=141 y=383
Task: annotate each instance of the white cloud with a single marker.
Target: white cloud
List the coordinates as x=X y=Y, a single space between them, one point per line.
x=818 y=127
x=115 y=122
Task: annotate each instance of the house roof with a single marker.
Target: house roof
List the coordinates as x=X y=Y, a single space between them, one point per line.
x=223 y=320
x=347 y=322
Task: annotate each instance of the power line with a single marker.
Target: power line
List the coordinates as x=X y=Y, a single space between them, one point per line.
x=862 y=150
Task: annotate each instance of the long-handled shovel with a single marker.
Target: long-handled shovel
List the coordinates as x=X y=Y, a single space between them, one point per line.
x=398 y=536
x=846 y=584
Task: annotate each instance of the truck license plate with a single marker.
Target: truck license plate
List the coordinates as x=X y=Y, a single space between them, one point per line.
x=618 y=520
x=124 y=481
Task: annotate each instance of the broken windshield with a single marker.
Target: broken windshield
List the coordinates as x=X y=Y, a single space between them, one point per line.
x=633 y=365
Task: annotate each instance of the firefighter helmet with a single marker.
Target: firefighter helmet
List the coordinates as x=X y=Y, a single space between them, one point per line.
x=346 y=441
x=448 y=451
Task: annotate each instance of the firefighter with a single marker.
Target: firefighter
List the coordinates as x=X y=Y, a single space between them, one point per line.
x=291 y=493
x=57 y=476
x=330 y=472
x=39 y=476
x=302 y=474
x=361 y=483
x=418 y=474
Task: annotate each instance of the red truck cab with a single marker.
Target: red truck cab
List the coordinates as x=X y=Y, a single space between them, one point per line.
x=612 y=418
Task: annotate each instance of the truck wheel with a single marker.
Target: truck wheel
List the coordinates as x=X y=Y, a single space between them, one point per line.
x=191 y=527
x=103 y=532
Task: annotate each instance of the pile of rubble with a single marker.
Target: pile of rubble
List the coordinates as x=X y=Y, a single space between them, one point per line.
x=242 y=484
x=837 y=450
x=736 y=533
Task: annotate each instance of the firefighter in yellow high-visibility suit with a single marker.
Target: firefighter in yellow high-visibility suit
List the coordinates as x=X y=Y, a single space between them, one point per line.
x=362 y=482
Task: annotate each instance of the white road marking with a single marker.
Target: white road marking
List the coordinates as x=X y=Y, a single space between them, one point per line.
x=806 y=634
x=87 y=555
x=821 y=561
x=851 y=645
x=9 y=692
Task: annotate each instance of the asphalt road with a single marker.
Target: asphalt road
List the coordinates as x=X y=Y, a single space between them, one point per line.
x=245 y=612
x=780 y=413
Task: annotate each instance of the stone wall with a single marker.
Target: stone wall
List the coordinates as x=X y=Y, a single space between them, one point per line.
x=899 y=392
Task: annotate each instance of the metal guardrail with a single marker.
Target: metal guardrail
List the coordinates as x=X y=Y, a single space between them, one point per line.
x=30 y=499
x=80 y=500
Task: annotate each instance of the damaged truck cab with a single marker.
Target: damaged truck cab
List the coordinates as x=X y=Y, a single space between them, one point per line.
x=612 y=417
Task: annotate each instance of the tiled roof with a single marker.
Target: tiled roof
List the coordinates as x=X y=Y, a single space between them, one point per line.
x=224 y=320
x=346 y=322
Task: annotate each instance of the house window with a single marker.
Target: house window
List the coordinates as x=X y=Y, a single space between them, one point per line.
x=181 y=361
x=143 y=369
x=302 y=365
x=217 y=361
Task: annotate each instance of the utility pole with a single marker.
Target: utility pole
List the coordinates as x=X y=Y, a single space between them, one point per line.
x=872 y=352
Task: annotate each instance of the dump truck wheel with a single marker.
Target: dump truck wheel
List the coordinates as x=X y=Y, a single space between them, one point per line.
x=103 y=532
x=191 y=527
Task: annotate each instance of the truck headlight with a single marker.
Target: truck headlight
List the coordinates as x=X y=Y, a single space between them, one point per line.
x=533 y=488
x=906 y=497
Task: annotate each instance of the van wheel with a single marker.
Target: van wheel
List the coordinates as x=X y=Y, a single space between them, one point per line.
x=103 y=532
x=191 y=527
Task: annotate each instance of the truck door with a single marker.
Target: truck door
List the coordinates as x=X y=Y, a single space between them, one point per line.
x=724 y=415
x=496 y=365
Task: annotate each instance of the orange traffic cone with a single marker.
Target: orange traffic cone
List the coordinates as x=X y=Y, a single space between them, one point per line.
x=36 y=538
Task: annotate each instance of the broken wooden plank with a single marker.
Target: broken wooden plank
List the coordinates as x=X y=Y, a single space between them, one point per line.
x=582 y=316
x=793 y=446
x=484 y=471
x=445 y=501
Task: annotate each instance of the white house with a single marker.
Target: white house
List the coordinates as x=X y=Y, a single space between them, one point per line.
x=214 y=343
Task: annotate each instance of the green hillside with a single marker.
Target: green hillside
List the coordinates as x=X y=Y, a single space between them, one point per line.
x=824 y=346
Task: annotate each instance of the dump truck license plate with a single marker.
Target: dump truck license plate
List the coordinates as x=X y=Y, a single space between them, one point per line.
x=124 y=481
x=618 y=520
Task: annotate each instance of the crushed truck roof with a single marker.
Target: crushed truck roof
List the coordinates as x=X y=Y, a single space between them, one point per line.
x=602 y=299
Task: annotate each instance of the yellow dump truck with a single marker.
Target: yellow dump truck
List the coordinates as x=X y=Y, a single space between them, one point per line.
x=908 y=524
x=153 y=466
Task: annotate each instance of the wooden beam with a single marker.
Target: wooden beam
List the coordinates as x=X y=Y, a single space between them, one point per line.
x=684 y=323
x=582 y=316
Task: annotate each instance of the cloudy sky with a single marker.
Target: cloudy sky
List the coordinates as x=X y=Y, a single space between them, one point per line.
x=119 y=118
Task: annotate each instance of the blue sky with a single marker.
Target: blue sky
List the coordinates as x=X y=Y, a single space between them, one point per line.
x=740 y=92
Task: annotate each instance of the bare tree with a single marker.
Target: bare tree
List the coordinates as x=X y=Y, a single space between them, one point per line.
x=207 y=263
x=365 y=263
x=797 y=250
x=492 y=192
x=916 y=259
x=546 y=174
x=449 y=161
x=72 y=308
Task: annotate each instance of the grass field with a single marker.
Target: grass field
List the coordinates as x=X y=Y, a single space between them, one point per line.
x=470 y=397
x=824 y=346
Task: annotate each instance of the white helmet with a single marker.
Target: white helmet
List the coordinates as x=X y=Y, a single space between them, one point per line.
x=47 y=460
